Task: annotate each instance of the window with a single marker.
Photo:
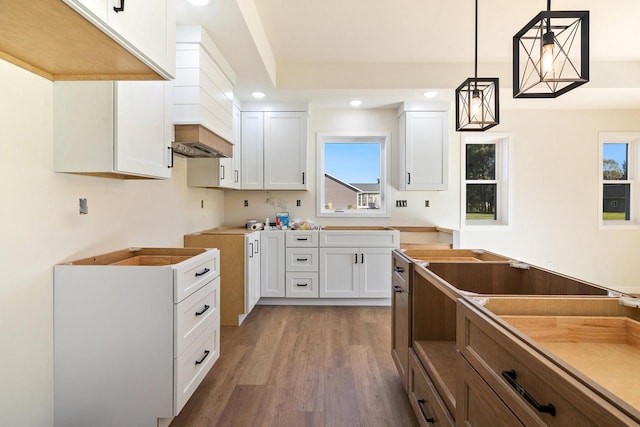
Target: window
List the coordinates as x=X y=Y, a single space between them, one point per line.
x=484 y=179
x=352 y=174
x=618 y=178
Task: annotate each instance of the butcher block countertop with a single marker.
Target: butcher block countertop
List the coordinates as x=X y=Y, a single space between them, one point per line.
x=225 y=230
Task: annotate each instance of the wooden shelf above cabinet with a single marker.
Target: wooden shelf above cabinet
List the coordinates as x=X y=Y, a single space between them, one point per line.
x=49 y=38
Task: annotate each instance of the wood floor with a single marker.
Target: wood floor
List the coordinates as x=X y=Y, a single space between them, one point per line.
x=303 y=366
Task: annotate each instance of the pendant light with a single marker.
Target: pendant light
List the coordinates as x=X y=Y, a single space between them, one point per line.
x=477 y=106
x=551 y=54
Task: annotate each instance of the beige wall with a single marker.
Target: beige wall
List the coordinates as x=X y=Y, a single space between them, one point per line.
x=40 y=226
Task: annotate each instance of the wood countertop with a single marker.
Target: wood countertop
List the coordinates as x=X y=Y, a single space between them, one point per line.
x=225 y=230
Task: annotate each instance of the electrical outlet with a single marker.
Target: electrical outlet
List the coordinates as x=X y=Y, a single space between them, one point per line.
x=298 y=202
x=426 y=203
x=84 y=206
x=246 y=203
x=401 y=203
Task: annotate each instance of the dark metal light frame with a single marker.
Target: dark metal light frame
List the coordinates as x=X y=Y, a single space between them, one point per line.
x=569 y=33
x=486 y=113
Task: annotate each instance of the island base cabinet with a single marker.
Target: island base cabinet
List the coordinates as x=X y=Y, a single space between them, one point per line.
x=427 y=405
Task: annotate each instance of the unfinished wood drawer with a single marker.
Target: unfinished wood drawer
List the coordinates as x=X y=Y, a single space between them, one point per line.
x=192 y=274
x=195 y=313
x=537 y=391
x=426 y=403
x=478 y=405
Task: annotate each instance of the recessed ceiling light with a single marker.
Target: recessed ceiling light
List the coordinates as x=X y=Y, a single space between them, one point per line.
x=355 y=103
x=430 y=94
x=258 y=95
x=199 y=2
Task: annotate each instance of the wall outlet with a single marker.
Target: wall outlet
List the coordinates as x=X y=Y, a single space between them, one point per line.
x=246 y=203
x=426 y=203
x=84 y=206
x=298 y=202
x=401 y=203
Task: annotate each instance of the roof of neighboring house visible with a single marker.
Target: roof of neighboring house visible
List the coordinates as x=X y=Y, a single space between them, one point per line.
x=341 y=182
x=368 y=187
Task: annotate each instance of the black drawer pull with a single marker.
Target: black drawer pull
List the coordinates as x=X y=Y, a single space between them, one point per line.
x=428 y=419
x=397 y=289
x=206 y=353
x=200 y=313
x=302 y=259
x=355 y=258
x=205 y=271
x=361 y=258
x=398 y=269
x=302 y=285
x=510 y=376
x=300 y=239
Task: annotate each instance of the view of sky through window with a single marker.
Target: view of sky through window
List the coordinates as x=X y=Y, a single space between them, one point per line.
x=353 y=162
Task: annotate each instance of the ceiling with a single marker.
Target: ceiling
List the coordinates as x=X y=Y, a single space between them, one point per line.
x=326 y=52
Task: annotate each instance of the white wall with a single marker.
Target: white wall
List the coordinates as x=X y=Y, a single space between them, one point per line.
x=554 y=179
x=40 y=226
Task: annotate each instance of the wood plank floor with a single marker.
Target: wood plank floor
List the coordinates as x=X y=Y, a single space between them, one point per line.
x=303 y=366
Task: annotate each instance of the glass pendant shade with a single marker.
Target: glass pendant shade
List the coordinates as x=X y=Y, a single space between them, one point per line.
x=477 y=106
x=551 y=54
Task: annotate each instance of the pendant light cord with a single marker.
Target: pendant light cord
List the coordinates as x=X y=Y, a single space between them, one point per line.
x=476 y=60
x=548 y=18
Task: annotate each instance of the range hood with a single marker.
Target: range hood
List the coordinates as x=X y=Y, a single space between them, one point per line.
x=198 y=141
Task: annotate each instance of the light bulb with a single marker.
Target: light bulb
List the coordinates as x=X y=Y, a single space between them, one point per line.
x=547 y=59
x=476 y=103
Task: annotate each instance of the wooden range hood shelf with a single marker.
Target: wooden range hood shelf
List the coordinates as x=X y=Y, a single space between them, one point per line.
x=49 y=38
x=198 y=141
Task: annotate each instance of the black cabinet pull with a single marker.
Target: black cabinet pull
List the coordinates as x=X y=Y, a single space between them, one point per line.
x=257 y=246
x=235 y=172
x=205 y=271
x=303 y=177
x=300 y=239
x=397 y=289
x=200 y=313
x=302 y=285
x=119 y=9
x=171 y=157
x=302 y=259
x=409 y=173
x=206 y=353
x=222 y=172
x=398 y=269
x=251 y=252
x=428 y=419
x=355 y=258
x=510 y=376
x=361 y=258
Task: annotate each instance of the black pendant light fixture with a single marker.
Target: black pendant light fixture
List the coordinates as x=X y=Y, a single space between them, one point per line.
x=477 y=106
x=551 y=54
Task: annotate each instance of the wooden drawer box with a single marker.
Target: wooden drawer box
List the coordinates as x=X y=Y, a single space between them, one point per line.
x=523 y=379
x=426 y=403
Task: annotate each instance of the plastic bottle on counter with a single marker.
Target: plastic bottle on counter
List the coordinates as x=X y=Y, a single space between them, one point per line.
x=267 y=225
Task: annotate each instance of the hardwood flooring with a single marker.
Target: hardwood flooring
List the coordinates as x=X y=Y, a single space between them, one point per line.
x=303 y=366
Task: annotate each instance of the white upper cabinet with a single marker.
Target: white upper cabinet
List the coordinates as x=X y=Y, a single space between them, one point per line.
x=146 y=28
x=274 y=150
x=113 y=129
x=423 y=150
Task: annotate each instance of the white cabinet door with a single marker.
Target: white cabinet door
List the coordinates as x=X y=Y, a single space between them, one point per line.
x=251 y=155
x=237 y=141
x=252 y=273
x=113 y=129
x=285 y=153
x=339 y=273
x=375 y=277
x=142 y=143
x=423 y=150
x=272 y=264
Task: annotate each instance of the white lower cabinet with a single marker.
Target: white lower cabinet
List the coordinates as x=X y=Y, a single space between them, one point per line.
x=301 y=264
x=355 y=272
x=272 y=264
x=135 y=332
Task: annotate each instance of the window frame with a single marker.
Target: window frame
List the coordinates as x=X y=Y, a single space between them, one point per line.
x=502 y=142
x=632 y=139
x=384 y=139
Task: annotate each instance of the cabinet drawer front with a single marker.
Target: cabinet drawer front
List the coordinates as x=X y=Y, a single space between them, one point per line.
x=495 y=353
x=302 y=285
x=194 y=364
x=427 y=404
x=194 y=273
x=401 y=269
x=477 y=404
x=302 y=259
x=301 y=239
x=341 y=238
x=196 y=313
